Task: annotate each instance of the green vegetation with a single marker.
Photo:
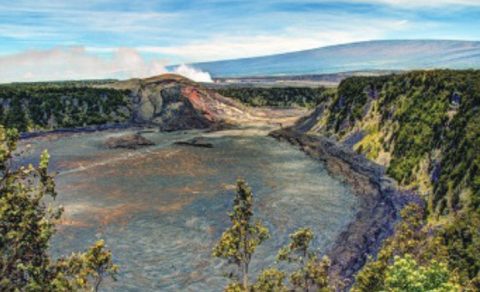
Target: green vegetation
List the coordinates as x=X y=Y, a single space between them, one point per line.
x=38 y=106
x=27 y=224
x=311 y=273
x=60 y=84
x=413 y=259
x=423 y=126
x=406 y=275
x=352 y=97
x=239 y=242
x=279 y=96
x=430 y=115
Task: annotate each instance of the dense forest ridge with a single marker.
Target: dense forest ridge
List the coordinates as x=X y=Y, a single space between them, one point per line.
x=420 y=125
x=307 y=97
x=423 y=127
x=100 y=104
x=47 y=106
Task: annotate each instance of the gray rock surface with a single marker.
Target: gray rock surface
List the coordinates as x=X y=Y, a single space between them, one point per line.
x=130 y=141
x=196 y=142
x=163 y=101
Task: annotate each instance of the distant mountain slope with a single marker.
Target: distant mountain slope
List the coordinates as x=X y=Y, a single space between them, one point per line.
x=363 y=56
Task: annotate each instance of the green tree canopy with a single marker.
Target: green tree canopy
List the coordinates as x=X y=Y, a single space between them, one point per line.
x=241 y=239
x=27 y=224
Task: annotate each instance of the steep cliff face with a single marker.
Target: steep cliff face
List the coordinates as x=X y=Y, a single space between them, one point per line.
x=423 y=126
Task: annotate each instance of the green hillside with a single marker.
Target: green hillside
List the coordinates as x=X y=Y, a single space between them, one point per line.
x=424 y=126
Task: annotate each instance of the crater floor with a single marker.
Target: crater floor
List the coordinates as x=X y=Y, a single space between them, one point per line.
x=161 y=208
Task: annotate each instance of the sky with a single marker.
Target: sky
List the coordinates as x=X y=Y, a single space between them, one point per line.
x=62 y=39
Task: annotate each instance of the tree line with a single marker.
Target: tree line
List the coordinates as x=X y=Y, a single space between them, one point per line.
x=46 y=106
x=278 y=96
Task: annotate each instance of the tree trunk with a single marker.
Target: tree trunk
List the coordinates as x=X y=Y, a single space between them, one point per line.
x=97 y=283
x=303 y=266
x=245 y=276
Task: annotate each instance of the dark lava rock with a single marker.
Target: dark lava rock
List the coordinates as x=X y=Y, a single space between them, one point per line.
x=353 y=139
x=455 y=100
x=308 y=122
x=436 y=171
x=196 y=142
x=129 y=141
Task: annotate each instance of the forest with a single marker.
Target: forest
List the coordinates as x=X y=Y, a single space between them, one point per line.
x=50 y=105
x=279 y=96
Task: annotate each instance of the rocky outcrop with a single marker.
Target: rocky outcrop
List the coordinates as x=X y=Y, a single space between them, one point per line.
x=172 y=102
x=161 y=102
x=129 y=141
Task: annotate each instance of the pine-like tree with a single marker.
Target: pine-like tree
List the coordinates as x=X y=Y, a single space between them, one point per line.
x=312 y=273
x=241 y=239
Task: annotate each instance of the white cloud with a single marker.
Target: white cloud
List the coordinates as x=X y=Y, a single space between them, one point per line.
x=75 y=63
x=72 y=18
x=25 y=33
x=222 y=47
x=219 y=48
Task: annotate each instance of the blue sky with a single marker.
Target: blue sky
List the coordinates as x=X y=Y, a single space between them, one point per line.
x=176 y=31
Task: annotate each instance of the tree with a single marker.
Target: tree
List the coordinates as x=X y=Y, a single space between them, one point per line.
x=312 y=274
x=238 y=243
x=16 y=115
x=27 y=224
x=406 y=275
x=270 y=280
x=412 y=245
x=297 y=250
x=408 y=238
